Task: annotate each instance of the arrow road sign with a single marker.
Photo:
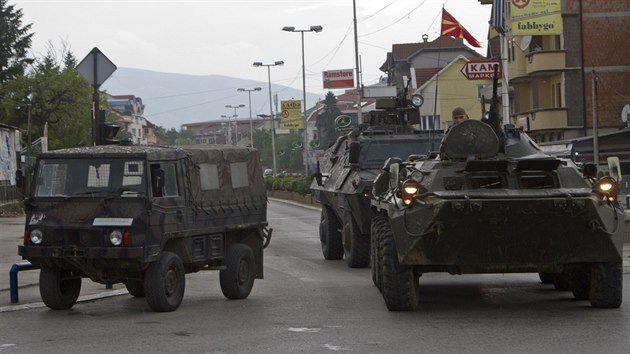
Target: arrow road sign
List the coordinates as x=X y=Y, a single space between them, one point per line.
x=480 y=70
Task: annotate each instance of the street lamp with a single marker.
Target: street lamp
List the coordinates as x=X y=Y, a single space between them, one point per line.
x=251 y=123
x=273 y=128
x=235 y=120
x=228 y=132
x=316 y=28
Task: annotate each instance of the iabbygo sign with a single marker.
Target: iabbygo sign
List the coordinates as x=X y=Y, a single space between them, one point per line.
x=481 y=70
x=338 y=79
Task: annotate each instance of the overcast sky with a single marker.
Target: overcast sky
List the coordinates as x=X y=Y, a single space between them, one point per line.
x=216 y=37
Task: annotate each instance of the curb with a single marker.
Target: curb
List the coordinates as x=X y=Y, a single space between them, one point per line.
x=84 y=298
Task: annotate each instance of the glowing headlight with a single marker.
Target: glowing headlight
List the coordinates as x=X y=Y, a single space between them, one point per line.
x=116 y=238
x=37 y=236
x=410 y=188
x=607 y=186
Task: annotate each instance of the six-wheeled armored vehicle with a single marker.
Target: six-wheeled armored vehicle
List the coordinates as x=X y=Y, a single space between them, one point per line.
x=494 y=203
x=145 y=216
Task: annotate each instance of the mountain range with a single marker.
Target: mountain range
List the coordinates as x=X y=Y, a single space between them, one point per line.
x=174 y=99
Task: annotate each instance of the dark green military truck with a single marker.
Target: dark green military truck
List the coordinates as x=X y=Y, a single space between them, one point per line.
x=145 y=216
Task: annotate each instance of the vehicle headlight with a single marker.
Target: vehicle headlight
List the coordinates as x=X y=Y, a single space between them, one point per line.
x=116 y=238
x=409 y=188
x=36 y=236
x=607 y=187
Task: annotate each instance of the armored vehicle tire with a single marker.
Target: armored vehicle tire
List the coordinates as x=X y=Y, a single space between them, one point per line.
x=164 y=283
x=581 y=283
x=329 y=235
x=237 y=280
x=58 y=289
x=135 y=287
x=399 y=283
x=376 y=254
x=546 y=278
x=606 y=285
x=356 y=247
x=561 y=281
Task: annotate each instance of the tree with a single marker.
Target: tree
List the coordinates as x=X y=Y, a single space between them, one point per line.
x=15 y=41
x=326 y=121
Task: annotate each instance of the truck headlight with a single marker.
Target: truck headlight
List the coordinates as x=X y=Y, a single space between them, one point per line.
x=607 y=187
x=116 y=238
x=409 y=188
x=36 y=236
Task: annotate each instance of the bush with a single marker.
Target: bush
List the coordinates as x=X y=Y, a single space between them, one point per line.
x=297 y=184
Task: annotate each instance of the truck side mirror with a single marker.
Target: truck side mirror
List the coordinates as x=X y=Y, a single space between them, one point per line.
x=614 y=168
x=394 y=169
x=318 y=175
x=355 y=151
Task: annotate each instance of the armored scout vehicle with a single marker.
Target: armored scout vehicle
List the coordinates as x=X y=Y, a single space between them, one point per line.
x=145 y=216
x=494 y=203
x=343 y=181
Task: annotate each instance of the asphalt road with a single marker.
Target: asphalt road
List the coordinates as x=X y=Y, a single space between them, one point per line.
x=306 y=304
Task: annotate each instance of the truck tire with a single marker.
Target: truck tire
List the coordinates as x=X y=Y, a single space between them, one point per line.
x=356 y=247
x=399 y=283
x=135 y=287
x=329 y=235
x=376 y=254
x=546 y=278
x=165 y=282
x=237 y=279
x=606 y=285
x=561 y=281
x=58 y=289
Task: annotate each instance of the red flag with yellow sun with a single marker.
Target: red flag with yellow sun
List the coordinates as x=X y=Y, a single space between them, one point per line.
x=452 y=28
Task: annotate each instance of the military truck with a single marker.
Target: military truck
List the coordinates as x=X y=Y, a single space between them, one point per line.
x=145 y=216
x=493 y=202
x=344 y=176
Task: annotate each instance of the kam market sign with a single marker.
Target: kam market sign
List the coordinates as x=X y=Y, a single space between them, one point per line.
x=536 y=17
x=480 y=70
x=338 y=79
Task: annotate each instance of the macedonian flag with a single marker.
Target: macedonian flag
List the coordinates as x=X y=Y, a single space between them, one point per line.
x=452 y=28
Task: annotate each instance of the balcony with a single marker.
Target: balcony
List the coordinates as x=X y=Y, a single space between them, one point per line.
x=542 y=119
x=540 y=63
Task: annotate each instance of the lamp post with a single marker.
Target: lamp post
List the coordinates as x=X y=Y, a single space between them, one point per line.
x=251 y=122
x=235 y=120
x=273 y=128
x=316 y=28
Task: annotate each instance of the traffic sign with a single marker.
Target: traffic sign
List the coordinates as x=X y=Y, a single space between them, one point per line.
x=480 y=70
x=96 y=67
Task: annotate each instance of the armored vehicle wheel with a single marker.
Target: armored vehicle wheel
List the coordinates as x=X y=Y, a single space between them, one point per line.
x=399 y=283
x=561 y=281
x=580 y=283
x=237 y=279
x=58 y=289
x=606 y=285
x=329 y=235
x=376 y=248
x=546 y=278
x=356 y=247
x=135 y=287
x=164 y=283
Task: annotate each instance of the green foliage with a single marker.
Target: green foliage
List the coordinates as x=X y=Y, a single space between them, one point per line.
x=326 y=121
x=15 y=41
x=297 y=184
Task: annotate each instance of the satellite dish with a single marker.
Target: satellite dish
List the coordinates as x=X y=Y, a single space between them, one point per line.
x=625 y=112
x=525 y=42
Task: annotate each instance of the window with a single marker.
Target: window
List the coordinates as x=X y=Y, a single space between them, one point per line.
x=556 y=95
x=164 y=180
x=238 y=172
x=209 y=175
x=98 y=175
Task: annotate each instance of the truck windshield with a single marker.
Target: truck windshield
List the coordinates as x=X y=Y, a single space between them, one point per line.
x=89 y=177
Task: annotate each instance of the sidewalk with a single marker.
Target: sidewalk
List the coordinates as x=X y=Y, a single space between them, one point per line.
x=11 y=230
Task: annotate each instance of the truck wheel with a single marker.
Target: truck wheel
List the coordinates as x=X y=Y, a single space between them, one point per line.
x=135 y=287
x=58 y=289
x=237 y=279
x=377 y=256
x=580 y=283
x=561 y=281
x=606 y=285
x=356 y=246
x=399 y=283
x=164 y=283
x=329 y=235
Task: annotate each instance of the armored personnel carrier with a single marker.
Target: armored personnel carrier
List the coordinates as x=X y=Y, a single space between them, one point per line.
x=145 y=216
x=492 y=202
x=343 y=181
